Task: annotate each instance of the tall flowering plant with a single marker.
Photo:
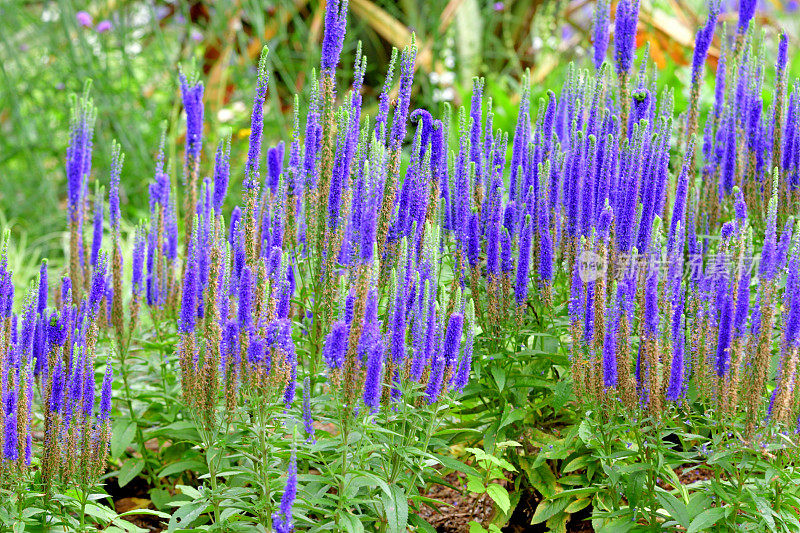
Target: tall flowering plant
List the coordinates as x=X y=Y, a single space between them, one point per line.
x=402 y=265
x=329 y=270
x=48 y=385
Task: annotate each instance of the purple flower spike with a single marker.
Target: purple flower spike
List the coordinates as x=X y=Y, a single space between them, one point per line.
x=747 y=8
x=625 y=33
x=783 y=50
x=41 y=302
x=546 y=244
x=79 y=153
x=256 y=125
x=407 y=61
x=452 y=340
x=189 y=300
x=98 y=284
x=57 y=387
x=434 y=387
x=336 y=345
x=609 y=354
x=246 y=300
x=308 y=421
x=493 y=249
x=97 y=229
x=88 y=388
x=193 y=105
x=275 y=166
x=10 y=449
x=104 y=26
x=462 y=375
x=702 y=40
x=792 y=301
x=523 y=263
x=506 y=260
x=105 y=395
x=333 y=38
x=222 y=172
x=600 y=23
x=282 y=521
x=473 y=241
x=676 y=382
x=372 y=381
x=724 y=340
x=139 y=243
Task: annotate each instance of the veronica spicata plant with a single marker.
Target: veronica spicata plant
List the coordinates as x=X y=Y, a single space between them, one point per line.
x=428 y=278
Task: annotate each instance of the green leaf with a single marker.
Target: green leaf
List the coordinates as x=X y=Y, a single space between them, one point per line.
x=706 y=519
x=558 y=523
x=764 y=510
x=227 y=513
x=375 y=479
x=500 y=496
x=351 y=524
x=475 y=527
x=420 y=523
x=191 y=492
x=225 y=473
x=396 y=507
x=180 y=430
x=98 y=511
x=576 y=464
x=130 y=469
x=511 y=415
x=585 y=432
x=543 y=479
x=561 y=395
x=186 y=514
x=123 y=526
x=675 y=508
x=160 y=498
x=455 y=464
x=499 y=375
x=181 y=466
x=475 y=484
x=577 y=505
x=549 y=508
x=122 y=436
x=477 y=452
x=698 y=502
x=150 y=512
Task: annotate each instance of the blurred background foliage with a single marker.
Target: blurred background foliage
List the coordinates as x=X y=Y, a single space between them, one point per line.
x=132 y=50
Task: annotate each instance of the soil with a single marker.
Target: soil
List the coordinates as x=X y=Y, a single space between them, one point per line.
x=688 y=474
x=459 y=508
x=132 y=496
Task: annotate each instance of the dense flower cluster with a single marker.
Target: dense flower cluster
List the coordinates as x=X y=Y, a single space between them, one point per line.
x=339 y=236
x=52 y=348
x=669 y=308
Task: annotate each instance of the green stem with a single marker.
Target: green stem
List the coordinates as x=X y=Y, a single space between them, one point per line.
x=264 y=466
x=84 y=498
x=343 y=476
x=212 y=472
